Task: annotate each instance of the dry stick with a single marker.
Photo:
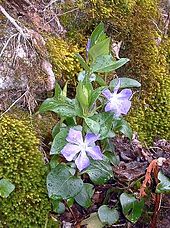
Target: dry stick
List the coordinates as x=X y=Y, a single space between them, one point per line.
x=12 y=20
x=152 y=168
x=14 y=103
x=7 y=42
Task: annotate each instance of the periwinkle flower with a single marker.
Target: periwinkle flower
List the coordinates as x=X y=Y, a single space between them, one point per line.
x=119 y=103
x=88 y=47
x=77 y=149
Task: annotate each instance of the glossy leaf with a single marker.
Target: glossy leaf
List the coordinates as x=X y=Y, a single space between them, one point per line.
x=56 y=130
x=100 y=81
x=123 y=126
x=99 y=172
x=59 y=141
x=82 y=74
x=54 y=161
x=64 y=92
x=93 y=125
x=82 y=95
x=61 y=183
x=125 y=83
x=63 y=108
x=58 y=206
x=6 y=187
x=114 y=160
x=108 y=215
x=164 y=185
x=97 y=35
x=100 y=48
x=132 y=208
x=58 y=90
x=92 y=222
x=84 y=196
x=82 y=62
x=105 y=121
x=105 y=63
x=95 y=94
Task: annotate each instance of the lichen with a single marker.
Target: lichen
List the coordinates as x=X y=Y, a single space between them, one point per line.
x=22 y=163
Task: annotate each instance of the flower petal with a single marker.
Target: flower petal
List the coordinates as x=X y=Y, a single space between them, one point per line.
x=109 y=107
x=95 y=152
x=125 y=94
x=107 y=93
x=117 y=86
x=69 y=151
x=74 y=137
x=82 y=161
x=90 y=138
x=124 y=106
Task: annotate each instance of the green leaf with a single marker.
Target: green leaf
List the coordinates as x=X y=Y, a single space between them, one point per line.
x=104 y=120
x=93 y=125
x=58 y=90
x=125 y=83
x=84 y=197
x=114 y=160
x=99 y=172
x=82 y=75
x=59 y=141
x=95 y=94
x=164 y=185
x=6 y=187
x=82 y=62
x=123 y=126
x=92 y=222
x=63 y=108
x=100 y=48
x=100 y=81
x=82 y=95
x=56 y=130
x=58 y=207
x=98 y=34
x=132 y=208
x=61 y=183
x=105 y=63
x=64 y=92
x=70 y=202
x=54 y=161
x=126 y=129
x=108 y=215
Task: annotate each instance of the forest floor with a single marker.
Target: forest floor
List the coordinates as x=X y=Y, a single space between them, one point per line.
x=134 y=159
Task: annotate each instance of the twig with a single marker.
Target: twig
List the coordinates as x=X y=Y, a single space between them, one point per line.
x=69 y=11
x=12 y=20
x=50 y=3
x=7 y=42
x=14 y=103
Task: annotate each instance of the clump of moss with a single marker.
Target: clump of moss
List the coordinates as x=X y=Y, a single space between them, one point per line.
x=133 y=22
x=149 y=116
x=62 y=55
x=22 y=163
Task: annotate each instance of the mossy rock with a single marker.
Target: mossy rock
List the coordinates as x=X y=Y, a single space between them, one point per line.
x=133 y=23
x=22 y=163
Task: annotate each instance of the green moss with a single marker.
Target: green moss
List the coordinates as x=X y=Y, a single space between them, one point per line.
x=62 y=55
x=22 y=163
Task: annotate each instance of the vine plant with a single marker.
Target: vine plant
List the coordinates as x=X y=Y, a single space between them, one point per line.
x=82 y=152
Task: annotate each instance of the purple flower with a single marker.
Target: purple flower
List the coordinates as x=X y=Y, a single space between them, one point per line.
x=78 y=149
x=88 y=47
x=119 y=103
